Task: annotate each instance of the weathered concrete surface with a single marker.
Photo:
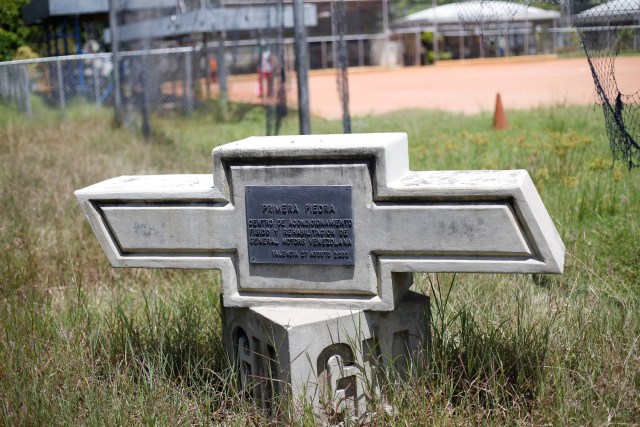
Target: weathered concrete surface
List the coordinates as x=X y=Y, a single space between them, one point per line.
x=403 y=221
x=333 y=358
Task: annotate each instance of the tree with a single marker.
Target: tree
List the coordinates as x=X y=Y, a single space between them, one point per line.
x=13 y=32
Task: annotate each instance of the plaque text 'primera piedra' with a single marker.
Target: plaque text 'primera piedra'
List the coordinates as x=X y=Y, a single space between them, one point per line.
x=300 y=224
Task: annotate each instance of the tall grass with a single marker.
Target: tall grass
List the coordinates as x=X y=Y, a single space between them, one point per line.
x=82 y=343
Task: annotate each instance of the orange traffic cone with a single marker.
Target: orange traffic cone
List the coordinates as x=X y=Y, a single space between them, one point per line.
x=499 y=119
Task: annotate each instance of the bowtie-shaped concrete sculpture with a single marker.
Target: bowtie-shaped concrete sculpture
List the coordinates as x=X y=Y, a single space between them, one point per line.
x=312 y=233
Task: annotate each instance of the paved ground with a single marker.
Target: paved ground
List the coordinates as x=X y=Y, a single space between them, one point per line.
x=467 y=87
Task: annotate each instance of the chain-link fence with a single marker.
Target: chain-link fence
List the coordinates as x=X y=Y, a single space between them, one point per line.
x=179 y=80
x=15 y=86
x=173 y=79
x=250 y=58
x=155 y=81
x=57 y=81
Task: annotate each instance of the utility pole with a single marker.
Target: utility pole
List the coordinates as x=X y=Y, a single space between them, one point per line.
x=385 y=17
x=434 y=5
x=222 y=67
x=302 y=64
x=144 y=72
x=115 y=48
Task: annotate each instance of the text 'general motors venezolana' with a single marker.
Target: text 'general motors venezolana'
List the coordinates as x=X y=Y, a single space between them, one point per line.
x=300 y=224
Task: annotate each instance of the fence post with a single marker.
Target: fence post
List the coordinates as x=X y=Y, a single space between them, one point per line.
x=188 y=80
x=13 y=95
x=222 y=71
x=146 y=126
x=60 y=86
x=27 y=90
x=554 y=37
x=4 y=83
x=323 y=54
x=115 y=50
x=207 y=66
x=222 y=68
x=19 y=85
x=436 y=46
x=96 y=81
x=302 y=66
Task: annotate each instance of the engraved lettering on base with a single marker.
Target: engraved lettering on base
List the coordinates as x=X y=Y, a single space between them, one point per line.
x=300 y=224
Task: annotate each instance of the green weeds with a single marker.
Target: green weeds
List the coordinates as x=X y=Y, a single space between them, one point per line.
x=83 y=343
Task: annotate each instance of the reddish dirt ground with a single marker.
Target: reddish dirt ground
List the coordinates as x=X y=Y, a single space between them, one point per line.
x=465 y=87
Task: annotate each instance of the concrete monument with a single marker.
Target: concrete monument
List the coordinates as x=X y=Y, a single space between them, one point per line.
x=317 y=238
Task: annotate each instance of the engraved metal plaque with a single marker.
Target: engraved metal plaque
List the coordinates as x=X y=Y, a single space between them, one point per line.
x=300 y=224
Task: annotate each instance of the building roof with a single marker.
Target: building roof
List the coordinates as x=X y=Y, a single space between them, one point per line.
x=478 y=11
x=611 y=11
x=39 y=10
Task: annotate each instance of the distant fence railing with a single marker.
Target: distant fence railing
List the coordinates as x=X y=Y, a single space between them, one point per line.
x=176 y=79
x=166 y=75
x=169 y=79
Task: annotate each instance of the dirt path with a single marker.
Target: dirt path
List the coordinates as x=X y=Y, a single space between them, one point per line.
x=468 y=87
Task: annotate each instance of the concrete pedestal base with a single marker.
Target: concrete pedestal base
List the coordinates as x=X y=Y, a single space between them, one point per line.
x=335 y=359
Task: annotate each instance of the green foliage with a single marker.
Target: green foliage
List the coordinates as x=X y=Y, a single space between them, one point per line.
x=626 y=38
x=82 y=343
x=403 y=8
x=547 y=5
x=427 y=37
x=25 y=52
x=13 y=32
x=442 y=56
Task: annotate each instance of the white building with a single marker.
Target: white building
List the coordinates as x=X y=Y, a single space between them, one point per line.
x=473 y=29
